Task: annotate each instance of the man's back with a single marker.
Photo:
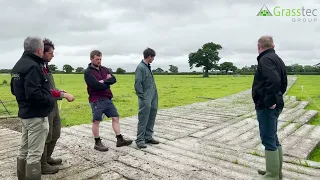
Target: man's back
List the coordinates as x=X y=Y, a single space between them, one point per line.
x=31 y=89
x=270 y=80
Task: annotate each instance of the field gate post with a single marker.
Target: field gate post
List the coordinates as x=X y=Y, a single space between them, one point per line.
x=4 y=106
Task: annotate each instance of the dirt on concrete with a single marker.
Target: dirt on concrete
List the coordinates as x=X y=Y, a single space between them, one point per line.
x=10 y=122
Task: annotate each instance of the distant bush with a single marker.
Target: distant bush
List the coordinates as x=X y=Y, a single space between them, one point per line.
x=4 y=82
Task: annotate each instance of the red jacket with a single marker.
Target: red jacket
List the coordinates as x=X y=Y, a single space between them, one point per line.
x=55 y=93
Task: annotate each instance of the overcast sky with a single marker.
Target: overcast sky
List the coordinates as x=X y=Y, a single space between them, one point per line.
x=122 y=29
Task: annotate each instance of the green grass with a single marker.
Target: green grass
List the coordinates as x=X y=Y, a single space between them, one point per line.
x=174 y=90
x=315 y=155
x=311 y=85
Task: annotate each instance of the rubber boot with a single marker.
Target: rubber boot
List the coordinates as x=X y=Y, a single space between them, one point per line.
x=45 y=167
x=33 y=171
x=281 y=161
x=152 y=141
x=54 y=162
x=50 y=160
x=122 y=142
x=272 y=166
x=21 y=169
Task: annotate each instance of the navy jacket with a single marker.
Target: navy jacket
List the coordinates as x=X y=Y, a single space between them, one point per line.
x=30 y=87
x=270 y=80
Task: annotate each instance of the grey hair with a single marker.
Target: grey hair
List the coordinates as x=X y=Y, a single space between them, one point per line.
x=32 y=43
x=266 y=42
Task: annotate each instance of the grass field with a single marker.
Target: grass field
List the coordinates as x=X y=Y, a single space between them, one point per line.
x=174 y=90
x=311 y=89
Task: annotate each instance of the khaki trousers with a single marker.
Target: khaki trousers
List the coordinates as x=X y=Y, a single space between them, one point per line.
x=34 y=135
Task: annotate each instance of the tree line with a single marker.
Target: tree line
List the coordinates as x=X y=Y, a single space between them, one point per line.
x=68 y=69
x=206 y=57
x=223 y=68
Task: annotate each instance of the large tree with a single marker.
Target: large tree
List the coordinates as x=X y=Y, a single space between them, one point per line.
x=173 y=69
x=120 y=71
x=206 y=57
x=228 y=66
x=52 y=67
x=297 y=68
x=79 y=69
x=67 y=68
x=158 y=70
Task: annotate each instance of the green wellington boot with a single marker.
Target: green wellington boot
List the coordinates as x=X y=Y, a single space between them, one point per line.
x=272 y=166
x=21 y=169
x=281 y=161
x=33 y=171
x=45 y=167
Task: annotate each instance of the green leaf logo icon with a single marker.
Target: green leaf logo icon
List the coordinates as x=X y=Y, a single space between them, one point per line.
x=264 y=11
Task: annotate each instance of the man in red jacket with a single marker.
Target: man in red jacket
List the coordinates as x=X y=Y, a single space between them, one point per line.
x=98 y=80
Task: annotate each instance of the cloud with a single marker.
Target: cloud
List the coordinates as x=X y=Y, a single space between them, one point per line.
x=122 y=29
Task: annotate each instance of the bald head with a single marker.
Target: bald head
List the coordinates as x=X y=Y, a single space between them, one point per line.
x=264 y=43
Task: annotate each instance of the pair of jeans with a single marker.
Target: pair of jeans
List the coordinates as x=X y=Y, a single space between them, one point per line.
x=268 y=124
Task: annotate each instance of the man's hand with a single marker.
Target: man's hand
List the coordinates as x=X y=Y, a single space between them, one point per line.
x=109 y=76
x=69 y=97
x=273 y=106
x=101 y=81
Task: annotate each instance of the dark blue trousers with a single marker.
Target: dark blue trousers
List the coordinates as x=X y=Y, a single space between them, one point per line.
x=268 y=123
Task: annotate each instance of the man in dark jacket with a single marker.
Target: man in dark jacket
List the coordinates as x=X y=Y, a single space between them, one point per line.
x=32 y=92
x=98 y=80
x=269 y=85
x=47 y=162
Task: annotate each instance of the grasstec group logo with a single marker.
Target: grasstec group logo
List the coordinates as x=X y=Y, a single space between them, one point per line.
x=298 y=14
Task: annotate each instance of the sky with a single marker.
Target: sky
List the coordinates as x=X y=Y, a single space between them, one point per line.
x=122 y=29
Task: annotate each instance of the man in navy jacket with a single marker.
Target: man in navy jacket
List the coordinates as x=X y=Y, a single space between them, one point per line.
x=32 y=91
x=269 y=85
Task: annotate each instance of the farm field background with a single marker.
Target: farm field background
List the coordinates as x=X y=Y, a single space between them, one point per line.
x=174 y=90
